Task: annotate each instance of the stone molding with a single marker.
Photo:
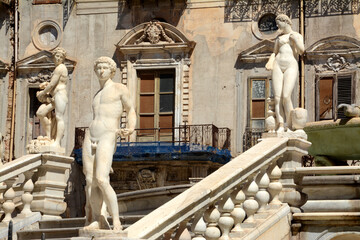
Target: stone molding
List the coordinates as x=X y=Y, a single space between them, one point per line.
x=260 y=52
x=4 y=66
x=42 y=60
x=325 y=48
x=36 y=38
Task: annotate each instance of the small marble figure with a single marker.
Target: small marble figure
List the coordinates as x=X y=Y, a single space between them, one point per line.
x=100 y=145
x=349 y=110
x=283 y=63
x=54 y=96
x=270 y=123
x=298 y=118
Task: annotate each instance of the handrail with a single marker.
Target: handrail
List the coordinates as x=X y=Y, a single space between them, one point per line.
x=240 y=174
x=50 y=173
x=23 y=164
x=328 y=170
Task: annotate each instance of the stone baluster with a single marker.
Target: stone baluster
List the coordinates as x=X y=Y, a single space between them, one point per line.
x=9 y=195
x=275 y=185
x=263 y=196
x=226 y=222
x=198 y=227
x=250 y=205
x=238 y=213
x=212 y=216
x=182 y=231
x=27 y=197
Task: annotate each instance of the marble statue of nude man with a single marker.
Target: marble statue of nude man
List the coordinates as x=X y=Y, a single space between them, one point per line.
x=284 y=65
x=54 y=96
x=100 y=144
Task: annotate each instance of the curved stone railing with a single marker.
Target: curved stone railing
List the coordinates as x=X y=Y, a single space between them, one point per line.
x=259 y=179
x=46 y=195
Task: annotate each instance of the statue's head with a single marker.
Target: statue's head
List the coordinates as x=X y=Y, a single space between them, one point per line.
x=59 y=52
x=100 y=62
x=283 y=18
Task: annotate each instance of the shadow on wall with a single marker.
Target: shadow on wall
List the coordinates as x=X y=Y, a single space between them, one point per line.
x=132 y=13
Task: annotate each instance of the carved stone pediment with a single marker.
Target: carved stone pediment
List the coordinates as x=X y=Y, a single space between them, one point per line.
x=154 y=36
x=42 y=60
x=341 y=45
x=3 y=65
x=260 y=52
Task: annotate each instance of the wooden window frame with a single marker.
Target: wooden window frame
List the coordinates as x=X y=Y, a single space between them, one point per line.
x=335 y=77
x=250 y=98
x=156 y=113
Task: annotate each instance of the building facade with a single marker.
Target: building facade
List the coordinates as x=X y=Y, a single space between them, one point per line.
x=186 y=62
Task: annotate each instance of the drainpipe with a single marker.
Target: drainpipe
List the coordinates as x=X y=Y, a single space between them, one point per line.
x=302 y=64
x=13 y=107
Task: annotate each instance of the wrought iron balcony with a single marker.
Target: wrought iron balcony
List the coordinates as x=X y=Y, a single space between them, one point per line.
x=204 y=142
x=251 y=137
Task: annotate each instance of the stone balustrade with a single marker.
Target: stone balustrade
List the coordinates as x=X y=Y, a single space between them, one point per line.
x=40 y=180
x=229 y=202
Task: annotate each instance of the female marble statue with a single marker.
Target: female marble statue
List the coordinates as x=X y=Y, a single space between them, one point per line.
x=283 y=63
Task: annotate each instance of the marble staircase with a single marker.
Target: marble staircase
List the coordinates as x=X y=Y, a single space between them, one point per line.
x=264 y=193
x=68 y=228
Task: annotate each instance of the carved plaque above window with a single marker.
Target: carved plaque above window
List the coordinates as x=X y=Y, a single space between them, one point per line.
x=154 y=33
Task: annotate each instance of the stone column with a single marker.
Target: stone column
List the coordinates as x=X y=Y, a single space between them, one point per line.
x=292 y=188
x=50 y=183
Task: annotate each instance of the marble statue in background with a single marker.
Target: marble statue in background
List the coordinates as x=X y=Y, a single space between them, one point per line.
x=53 y=96
x=100 y=145
x=350 y=110
x=284 y=65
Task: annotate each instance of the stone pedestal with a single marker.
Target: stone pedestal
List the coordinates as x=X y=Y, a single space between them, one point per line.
x=50 y=183
x=289 y=134
x=292 y=186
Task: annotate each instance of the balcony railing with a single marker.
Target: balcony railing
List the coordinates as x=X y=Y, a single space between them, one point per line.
x=251 y=137
x=201 y=134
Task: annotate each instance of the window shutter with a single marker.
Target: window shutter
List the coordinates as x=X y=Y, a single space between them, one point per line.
x=343 y=93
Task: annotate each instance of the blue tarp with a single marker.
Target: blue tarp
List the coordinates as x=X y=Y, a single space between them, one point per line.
x=163 y=151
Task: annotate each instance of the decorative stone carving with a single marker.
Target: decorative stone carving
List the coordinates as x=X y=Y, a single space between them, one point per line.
x=43 y=76
x=334 y=63
x=100 y=144
x=53 y=96
x=153 y=32
x=146 y=179
x=283 y=63
x=246 y=11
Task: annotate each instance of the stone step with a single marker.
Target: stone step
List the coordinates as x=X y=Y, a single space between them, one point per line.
x=53 y=233
x=67 y=227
